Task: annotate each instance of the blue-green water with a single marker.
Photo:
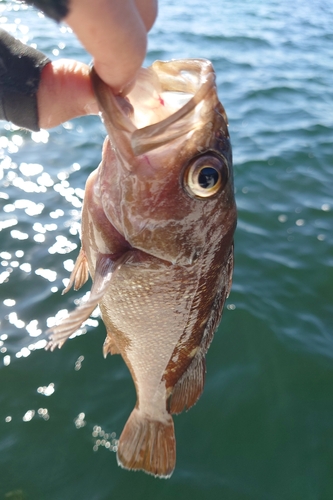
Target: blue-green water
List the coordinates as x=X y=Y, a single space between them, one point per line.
x=263 y=429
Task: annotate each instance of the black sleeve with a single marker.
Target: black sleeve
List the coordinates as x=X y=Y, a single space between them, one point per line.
x=56 y=9
x=20 y=70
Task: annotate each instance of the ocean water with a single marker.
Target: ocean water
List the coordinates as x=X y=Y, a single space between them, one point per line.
x=263 y=429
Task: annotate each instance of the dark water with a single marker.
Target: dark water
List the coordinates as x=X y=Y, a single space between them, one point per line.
x=263 y=429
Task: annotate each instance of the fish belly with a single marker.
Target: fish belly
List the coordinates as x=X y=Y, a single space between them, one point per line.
x=145 y=310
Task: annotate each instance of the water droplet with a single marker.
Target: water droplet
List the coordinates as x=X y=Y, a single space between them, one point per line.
x=29 y=415
x=6 y=360
x=46 y=390
x=79 y=421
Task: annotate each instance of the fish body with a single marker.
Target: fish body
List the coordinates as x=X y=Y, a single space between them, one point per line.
x=158 y=222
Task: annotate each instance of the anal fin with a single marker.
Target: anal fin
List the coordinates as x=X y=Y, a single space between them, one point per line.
x=148 y=445
x=189 y=387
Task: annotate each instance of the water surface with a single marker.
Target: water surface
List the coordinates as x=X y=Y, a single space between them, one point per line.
x=263 y=428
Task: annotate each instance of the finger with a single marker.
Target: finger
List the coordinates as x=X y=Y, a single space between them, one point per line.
x=114 y=33
x=65 y=92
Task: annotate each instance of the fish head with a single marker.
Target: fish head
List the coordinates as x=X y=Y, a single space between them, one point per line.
x=166 y=181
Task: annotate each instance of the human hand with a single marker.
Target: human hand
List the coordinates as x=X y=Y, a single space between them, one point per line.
x=115 y=34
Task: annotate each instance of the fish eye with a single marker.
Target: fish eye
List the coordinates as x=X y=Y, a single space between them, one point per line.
x=206 y=175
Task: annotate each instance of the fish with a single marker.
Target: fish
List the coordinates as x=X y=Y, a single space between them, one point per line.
x=157 y=239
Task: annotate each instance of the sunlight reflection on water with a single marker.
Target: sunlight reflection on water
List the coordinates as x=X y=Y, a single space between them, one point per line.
x=267 y=410
x=31 y=179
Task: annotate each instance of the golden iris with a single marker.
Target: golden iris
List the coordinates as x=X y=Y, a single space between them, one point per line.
x=206 y=175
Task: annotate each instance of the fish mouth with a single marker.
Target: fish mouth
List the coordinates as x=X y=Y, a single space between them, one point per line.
x=165 y=102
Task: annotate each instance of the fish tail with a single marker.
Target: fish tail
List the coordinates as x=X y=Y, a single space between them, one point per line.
x=148 y=445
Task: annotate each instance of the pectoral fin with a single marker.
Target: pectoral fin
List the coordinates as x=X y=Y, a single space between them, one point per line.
x=80 y=273
x=105 y=267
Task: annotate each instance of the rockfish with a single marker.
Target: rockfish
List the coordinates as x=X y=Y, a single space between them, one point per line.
x=158 y=221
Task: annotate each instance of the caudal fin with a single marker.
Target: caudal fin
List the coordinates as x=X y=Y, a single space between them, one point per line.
x=148 y=445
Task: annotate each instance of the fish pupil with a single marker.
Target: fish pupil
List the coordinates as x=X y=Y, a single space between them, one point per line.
x=208 y=177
